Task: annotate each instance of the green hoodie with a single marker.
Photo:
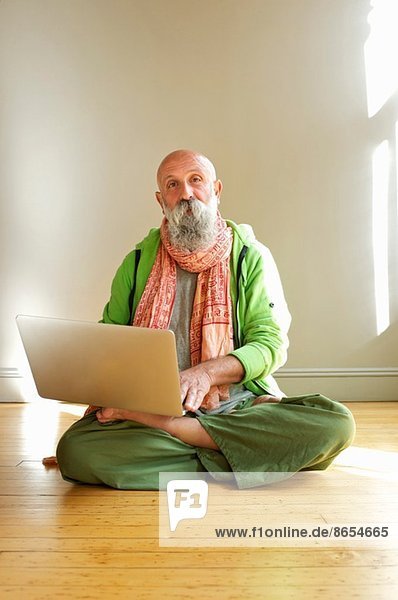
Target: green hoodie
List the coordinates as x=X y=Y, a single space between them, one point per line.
x=260 y=315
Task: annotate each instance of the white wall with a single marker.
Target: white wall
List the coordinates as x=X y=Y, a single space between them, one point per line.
x=95 y=92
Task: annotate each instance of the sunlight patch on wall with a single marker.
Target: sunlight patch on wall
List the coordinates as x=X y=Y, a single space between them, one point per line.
x=380 y=172
x=396 y=161
x=381 y=51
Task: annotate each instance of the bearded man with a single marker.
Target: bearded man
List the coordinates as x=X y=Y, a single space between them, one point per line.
x=212 y=283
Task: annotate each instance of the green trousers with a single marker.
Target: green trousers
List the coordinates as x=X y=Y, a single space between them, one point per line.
x=299 y=433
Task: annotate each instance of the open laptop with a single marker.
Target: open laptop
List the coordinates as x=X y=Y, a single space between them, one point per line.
x=105 y=365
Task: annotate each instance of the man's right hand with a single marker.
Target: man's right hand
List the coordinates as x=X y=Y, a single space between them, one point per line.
x=195 y=384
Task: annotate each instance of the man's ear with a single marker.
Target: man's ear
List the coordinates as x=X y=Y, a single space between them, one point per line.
x=158 y=197
x=218 y=188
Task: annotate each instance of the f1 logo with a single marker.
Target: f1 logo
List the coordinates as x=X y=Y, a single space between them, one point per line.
x=186 y=499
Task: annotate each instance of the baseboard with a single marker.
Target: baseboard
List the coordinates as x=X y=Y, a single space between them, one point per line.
x=346 y=385
x=370 y=384
x=11 y=388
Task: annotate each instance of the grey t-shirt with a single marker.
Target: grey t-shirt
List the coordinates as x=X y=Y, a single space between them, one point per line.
x=180 y=323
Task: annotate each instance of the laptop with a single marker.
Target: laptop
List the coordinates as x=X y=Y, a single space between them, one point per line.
x=105 y=365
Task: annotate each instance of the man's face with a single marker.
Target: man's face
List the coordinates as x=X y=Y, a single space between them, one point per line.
x=185 y=177
x=189 y=195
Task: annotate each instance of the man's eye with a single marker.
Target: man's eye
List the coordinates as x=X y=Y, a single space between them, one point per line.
x=171 y=184
x=196 y=179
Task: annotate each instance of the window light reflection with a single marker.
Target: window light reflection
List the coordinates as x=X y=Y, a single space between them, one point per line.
x=380 y=172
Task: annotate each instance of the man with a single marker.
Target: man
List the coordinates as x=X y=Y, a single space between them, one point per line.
x=218 y=289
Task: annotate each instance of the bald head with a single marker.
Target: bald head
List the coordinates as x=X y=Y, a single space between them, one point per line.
x=184 y=159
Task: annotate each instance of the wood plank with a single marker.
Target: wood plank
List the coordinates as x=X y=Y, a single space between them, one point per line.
x=43 y=485
x=132 y=544
x=38 y=508
x=216 y=515
x=264 y=558
x=164 y=578
x=304 y=592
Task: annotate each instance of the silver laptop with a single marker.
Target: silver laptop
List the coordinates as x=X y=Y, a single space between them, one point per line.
x=105 y=365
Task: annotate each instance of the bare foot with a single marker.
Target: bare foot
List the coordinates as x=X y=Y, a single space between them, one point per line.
x=189 y=431
x=105 y=415
x=50 y=461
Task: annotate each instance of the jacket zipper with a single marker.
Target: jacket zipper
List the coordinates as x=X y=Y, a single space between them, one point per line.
x=238 y=276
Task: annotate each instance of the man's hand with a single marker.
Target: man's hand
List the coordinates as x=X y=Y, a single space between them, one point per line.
x=195 y=383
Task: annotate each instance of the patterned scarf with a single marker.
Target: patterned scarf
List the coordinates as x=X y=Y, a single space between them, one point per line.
x=211 y=329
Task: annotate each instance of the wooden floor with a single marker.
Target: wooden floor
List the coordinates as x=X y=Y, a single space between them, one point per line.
x=60 y=540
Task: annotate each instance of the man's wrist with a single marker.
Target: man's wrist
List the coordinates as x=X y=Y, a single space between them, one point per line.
x=210 y=371
x=224 y=370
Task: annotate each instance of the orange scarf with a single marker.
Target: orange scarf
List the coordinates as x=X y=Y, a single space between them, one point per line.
x=211 y=329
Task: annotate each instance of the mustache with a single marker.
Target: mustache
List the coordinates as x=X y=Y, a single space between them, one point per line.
x=187 y=204
x=184 y=206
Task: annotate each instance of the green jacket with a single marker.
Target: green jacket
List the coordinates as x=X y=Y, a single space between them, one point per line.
x=260 y=315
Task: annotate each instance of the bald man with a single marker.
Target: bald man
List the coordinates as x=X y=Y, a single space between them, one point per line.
x=212 y=283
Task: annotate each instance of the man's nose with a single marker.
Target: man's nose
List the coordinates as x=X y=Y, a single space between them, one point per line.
x=186 y=191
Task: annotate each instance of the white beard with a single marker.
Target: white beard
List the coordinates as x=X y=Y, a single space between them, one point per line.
x=194 y=230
